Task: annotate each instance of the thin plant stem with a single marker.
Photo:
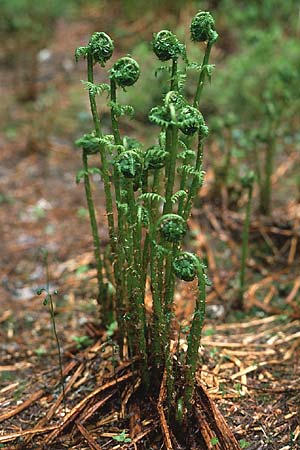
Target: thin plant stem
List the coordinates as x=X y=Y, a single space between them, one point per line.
x=194 y=339
x=105 y=171
x=265 y=192
x=52 y=316
x=194 y=186
x=202 y=73
x=245 y=247
x=95 y=234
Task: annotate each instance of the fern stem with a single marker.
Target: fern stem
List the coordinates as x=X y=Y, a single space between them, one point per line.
x=105 y=171
x=202 y=74
x=194 y=339
x=95 y=234
x=120 y=244
x=194 y=186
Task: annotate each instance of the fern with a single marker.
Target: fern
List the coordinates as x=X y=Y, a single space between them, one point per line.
x=79 y=52
x=121 y=110
x=186 y=155
x=152 y=196
x=179 y=194
x=91 y=171
x=161 y=69
x=95 y=89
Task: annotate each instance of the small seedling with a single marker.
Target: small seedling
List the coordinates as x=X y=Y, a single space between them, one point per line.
x=82 y=269
x=214 y=441
x=82 y=341
x=41 y=351
x=122 y=437
x=48 y=300
x=244 y=444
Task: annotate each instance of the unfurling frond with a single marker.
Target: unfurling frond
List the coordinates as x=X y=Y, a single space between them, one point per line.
x=153 y=196
x=95 y=89
x=179 y=194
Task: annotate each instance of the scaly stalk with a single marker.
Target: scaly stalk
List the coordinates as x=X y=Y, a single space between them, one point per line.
x=105 y=171
x=202 y=73
x=194 y=339
x=195 y=185
x=95 y=234
x=120 y=256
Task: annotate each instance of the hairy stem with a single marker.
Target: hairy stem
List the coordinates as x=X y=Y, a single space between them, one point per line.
x=95 y=234
x=202 y=74
x=105 y=171
x=195 y=185
x=194 y=339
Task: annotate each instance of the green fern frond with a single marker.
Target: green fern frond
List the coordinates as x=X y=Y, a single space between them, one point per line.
x=80 y=175
x=121 y=110
x=95 y=89
x=189 y=170
x=122 y=207
x=162 y=69
x=161 y=251
x=179 y=194
x=186 y=155
x=79 y=52
x=151 y=196
x=194 y=66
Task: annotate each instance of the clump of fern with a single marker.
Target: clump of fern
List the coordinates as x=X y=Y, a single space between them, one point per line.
x=149 y=194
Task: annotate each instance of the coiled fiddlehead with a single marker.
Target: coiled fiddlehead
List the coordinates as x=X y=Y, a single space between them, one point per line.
x=166 y=115
x=125 y=72
x=155 y=158
x=190 y=120
x=166 y=45
x=171 y=227
x=203 y=27
x=186 y=266
x=89 y=143
x=129 y=163
x=101 y=47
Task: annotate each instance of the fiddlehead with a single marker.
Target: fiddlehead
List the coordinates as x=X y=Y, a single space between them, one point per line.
x=155 y=158
x=203 y=27
x=190 y=120
x=101 y=47
x=89 y=143
x=129 y=163
x=166 y=46
x=186 y=266
x=171 y=227
x=125 y=72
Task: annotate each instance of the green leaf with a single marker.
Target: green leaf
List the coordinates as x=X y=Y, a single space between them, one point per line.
x=95 y=89
x=82 y=269
x=80 y=175
x=121 y=437
x=179 y=194
x=244 y=444
x=93 y=170
x=82 y=341
x=214 y=441
x=151 y=196
x=80 y=51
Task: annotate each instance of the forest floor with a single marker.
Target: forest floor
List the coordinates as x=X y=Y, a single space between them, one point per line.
x=249 y=360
